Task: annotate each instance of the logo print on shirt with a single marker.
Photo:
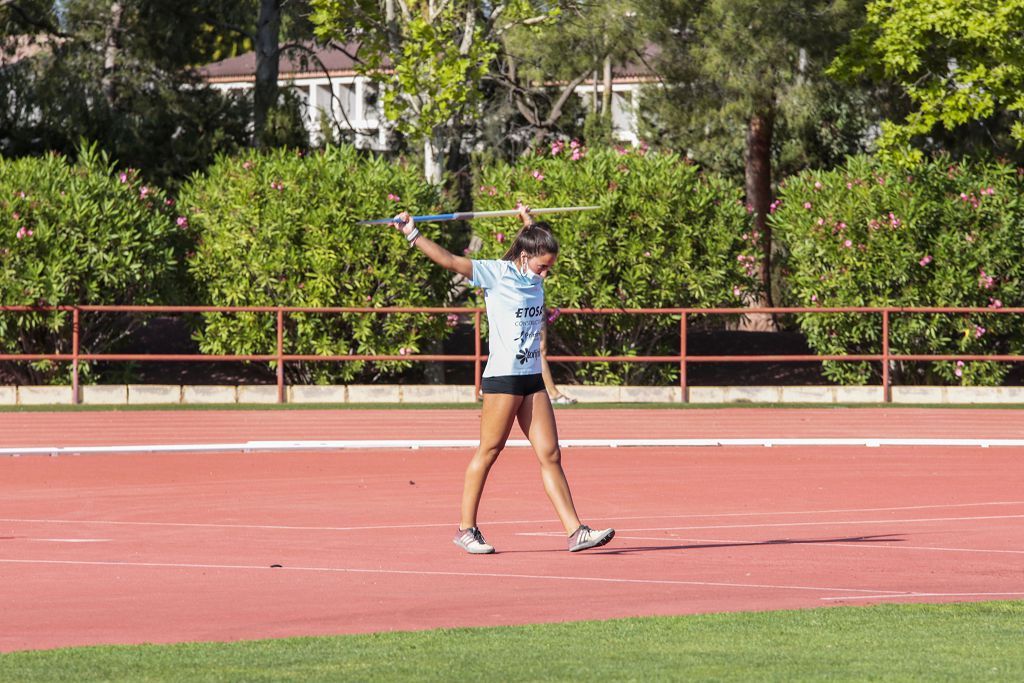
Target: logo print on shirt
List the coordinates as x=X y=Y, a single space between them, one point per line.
x=524 y=355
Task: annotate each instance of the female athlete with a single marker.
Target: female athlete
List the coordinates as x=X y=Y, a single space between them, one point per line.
x=513 y=387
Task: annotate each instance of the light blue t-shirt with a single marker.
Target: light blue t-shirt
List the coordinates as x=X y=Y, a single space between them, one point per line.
x=515 y=317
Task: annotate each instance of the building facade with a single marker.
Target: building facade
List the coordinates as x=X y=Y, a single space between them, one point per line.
x=329 y=89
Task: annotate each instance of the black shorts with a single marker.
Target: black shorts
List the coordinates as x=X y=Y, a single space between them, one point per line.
x=517 y=385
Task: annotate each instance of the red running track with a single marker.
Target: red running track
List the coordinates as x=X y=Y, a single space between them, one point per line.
x=180 y=547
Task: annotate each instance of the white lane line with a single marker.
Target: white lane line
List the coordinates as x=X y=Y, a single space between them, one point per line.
x=890 y=596
x=202 y=525
x=416 y=444
x=926 y=520
x=510 y=522
x=412 y=572
x=498 y=522
x=873 y=544
x=69 y=540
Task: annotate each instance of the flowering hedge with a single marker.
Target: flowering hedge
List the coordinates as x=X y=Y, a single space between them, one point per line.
x=280 y=229
x=80 y=233
x=935 y=234
x=666 y=235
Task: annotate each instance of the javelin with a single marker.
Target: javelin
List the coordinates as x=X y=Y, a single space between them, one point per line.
x=469 y=215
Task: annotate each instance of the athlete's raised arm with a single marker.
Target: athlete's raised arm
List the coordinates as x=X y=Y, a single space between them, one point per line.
x=434 y=251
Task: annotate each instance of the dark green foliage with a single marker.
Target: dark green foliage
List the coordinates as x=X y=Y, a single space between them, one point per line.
x=280 y=229
x=936 y=233
x=80 y=233
x=666 y=235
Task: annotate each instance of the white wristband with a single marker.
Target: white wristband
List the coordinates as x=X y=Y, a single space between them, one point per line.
x=411 y=237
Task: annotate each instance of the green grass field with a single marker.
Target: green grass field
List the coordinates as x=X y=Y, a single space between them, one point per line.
x=958 y=642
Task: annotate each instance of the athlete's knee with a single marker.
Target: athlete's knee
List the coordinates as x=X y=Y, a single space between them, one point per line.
x=488 y=453
x=550 y=456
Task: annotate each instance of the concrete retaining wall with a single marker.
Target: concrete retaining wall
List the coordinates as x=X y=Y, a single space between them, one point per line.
x=139 y=394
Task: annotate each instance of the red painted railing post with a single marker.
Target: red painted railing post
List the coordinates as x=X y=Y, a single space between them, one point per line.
x=280 y=355
x=682 y=358
x=886 y=389
x=476 y=360
x=74 y=356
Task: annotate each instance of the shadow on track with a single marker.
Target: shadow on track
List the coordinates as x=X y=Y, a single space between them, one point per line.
x=881 y=538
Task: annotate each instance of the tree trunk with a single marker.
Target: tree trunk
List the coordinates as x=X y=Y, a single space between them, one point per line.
x=606 y=96
x=268 y=32
x=433 y=158
x=111 y=50
x=758 y=177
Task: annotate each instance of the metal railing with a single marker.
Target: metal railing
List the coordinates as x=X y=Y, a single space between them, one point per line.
x=885 y=357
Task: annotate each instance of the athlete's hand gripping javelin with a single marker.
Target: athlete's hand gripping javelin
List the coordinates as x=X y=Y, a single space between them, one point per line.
x=435 y=252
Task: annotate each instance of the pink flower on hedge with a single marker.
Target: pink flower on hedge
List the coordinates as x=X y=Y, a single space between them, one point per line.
x=537 y=175
x=814 y=298
x=16 y=216
x=276 y=185
x=925 y=261
x=893 y=221
x=995 y=303
x=774 y=205
x=394 y=197
x=989 y=191
x=979 y=331
x=986 y=281
x=453 y=320
x=247 y=165
x=959 y=372
x=143 y=192
x=817 y=184
x=405 y=351
x=736 y=291
x=848 y=243
x=579 y=153
x=808 y=205
x=500 y=237
x=182 y=222
x=556 y=147
x=123 y=177
x=23 y=233
x=575 y=144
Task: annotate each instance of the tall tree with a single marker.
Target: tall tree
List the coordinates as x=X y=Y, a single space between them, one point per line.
x=430 y=58
x=743 y=79
x=960 y=64
x=544 y=63
x=116 y=72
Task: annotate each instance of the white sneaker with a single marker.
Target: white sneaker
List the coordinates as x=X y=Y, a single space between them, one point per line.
x=585 y=537
x=472 y=541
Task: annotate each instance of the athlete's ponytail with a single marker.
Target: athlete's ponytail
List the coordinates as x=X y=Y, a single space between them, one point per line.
x=535 y=239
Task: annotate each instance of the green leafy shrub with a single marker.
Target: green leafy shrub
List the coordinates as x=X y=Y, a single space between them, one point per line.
x=934 y=234
x=80 y=233
x=279 y=229
x=666 y=235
